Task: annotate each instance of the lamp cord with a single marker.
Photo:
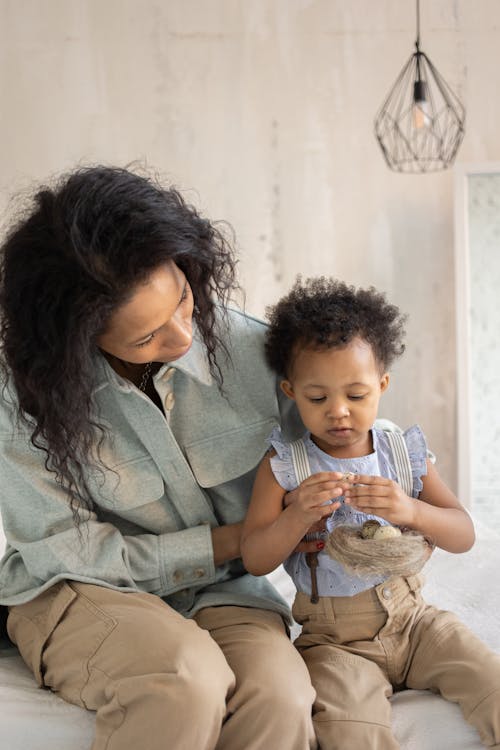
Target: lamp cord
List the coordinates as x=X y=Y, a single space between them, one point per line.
x=417 y=40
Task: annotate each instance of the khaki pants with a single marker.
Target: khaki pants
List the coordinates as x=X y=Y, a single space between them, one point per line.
x=359 y=648
x=231 y=681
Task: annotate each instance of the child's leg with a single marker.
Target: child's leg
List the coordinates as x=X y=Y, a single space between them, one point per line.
x=270 y=708
x=347 y=664
x=352 y=709
x=448 y=658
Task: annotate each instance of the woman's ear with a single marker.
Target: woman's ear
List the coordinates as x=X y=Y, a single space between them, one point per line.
x=384 y=382
x=287 y=389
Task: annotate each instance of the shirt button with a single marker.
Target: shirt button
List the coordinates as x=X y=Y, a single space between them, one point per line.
x=177 y=576
x=168 y=374
x=386 y=593
x=199 y=572
x=169 y=401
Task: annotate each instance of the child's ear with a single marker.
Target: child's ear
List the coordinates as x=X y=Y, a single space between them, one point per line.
x=287 y=389
x=384 y=382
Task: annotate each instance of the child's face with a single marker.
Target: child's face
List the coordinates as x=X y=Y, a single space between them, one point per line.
x=337 y=392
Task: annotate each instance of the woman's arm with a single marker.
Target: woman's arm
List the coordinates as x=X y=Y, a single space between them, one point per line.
x=45 y=544
x=270 y=532
x=226 y=542
x=437 y=513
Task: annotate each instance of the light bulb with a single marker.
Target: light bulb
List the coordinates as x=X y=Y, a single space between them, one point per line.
x=421 y=111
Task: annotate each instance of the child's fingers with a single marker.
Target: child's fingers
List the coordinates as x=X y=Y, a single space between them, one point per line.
x=325 y=476
x=327 y=510
x=320 y=498
x=369 y=479
x=359 y=492
x=370 y=502
x=318 y=493
x=328 y=479
x=321 y=510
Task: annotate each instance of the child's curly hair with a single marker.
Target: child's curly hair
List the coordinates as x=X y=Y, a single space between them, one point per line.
x=323 y=313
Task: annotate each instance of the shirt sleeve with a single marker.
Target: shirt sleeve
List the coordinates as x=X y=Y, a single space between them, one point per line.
x=44 y=545
x=281 y=463
x=417 y=451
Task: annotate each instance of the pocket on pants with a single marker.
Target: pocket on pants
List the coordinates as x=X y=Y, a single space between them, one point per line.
x=30 y=625
x=314 y=617
x=358 y=622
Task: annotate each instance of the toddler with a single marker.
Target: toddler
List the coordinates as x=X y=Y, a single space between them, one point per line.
x=363 y=636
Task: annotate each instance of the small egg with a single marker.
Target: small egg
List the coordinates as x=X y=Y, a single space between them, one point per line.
x=386 y=532
x=369 y=528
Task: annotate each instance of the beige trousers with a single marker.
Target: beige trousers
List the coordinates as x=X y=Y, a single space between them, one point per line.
x=358 y=649
x=232 y=680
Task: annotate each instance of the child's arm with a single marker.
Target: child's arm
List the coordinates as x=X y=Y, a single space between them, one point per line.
x=270 y=532
x=437 y=513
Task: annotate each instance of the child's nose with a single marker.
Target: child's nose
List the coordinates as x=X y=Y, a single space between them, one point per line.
x=338 y=409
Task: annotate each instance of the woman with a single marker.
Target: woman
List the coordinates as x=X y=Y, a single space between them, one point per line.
x=133 y=414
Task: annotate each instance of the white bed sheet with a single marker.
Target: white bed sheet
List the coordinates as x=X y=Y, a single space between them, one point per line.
x=34 y=719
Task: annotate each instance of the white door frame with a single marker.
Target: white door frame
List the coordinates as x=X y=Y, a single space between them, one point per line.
x=462 y=306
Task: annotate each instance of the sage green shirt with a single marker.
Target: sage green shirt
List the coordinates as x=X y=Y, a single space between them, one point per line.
x=169 y=480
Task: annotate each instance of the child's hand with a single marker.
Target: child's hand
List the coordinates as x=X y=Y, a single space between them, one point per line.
x=314 y=499
x=382 y=497
x=322 y=487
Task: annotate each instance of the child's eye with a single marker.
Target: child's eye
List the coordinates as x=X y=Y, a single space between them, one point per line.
x=356 y=397
x=318 y=400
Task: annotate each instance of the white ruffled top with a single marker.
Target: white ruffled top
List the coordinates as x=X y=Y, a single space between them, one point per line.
x=333 y=579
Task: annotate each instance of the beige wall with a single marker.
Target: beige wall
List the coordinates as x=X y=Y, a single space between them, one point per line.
x=262 y=111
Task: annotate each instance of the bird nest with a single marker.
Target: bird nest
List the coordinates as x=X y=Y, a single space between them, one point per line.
x=402 y=554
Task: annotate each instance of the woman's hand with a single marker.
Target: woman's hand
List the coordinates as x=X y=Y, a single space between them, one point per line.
x=382 y=497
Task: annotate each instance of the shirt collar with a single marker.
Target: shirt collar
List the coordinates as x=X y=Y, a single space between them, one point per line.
x=195 y=364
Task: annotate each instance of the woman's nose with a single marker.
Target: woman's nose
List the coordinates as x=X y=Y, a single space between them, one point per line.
x=181 y=330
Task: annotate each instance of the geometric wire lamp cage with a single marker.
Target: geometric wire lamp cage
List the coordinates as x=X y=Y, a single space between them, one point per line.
x=421 y=123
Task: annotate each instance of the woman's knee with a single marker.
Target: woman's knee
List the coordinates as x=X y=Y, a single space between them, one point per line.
x=201 y=666
x=114 y=637
x=180 y=649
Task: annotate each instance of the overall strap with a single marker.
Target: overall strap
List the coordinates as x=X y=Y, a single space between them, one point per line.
x=402 y=462
x=300 y=460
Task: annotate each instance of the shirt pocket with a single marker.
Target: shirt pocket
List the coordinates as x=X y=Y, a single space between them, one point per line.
x=229 y=454
x=130 y=484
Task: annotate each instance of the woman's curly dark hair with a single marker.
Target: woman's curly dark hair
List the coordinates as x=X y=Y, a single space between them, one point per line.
x=79 y=251
x=324 y=313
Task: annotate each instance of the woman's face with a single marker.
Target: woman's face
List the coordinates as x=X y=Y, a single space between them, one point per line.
x=155 y=325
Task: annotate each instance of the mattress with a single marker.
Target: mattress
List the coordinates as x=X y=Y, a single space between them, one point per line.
x=35 y=719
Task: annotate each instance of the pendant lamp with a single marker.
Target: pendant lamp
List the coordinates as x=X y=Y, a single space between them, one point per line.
x=420 y=125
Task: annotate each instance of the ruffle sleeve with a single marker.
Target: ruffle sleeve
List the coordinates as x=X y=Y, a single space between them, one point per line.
x=281 y=462
x=417 y=450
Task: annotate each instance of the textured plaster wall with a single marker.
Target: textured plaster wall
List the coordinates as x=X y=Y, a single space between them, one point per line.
x=262 y=112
